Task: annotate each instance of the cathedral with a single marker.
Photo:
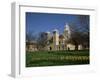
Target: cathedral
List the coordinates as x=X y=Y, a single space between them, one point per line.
x=59 y=41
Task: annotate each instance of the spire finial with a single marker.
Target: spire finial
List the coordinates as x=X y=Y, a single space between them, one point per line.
x=66 y=26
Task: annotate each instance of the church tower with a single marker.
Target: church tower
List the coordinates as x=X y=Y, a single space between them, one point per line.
x=55 y=39
x=67 y=32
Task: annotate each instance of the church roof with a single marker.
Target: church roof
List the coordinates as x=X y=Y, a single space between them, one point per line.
x=31 y=42
x=67 y=27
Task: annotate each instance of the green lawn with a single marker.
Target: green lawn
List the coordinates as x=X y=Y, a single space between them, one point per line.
x=54 y=58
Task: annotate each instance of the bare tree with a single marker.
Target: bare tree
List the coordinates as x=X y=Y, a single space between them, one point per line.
x=78 y=37
x=84 y=21
x=42 y=40
x=31 y=36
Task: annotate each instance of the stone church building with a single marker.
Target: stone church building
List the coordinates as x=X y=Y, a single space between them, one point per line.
x=59 y=41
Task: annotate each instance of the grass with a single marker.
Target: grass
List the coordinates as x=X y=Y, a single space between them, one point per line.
x=55 y=58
